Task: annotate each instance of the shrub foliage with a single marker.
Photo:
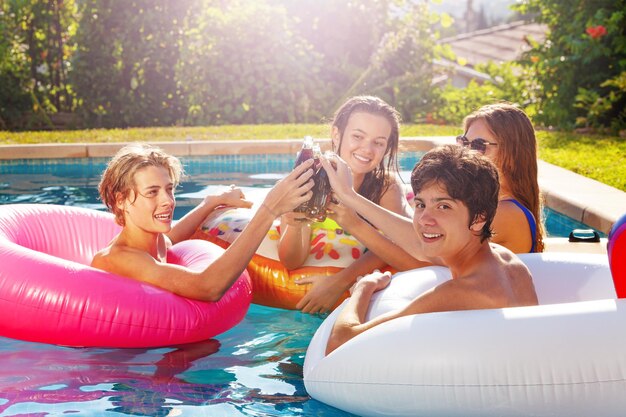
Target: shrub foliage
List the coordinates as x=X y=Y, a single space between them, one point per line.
x=125 y=63
x=580 y=70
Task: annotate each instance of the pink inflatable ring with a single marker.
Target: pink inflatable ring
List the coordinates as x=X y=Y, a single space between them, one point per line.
x=50 y=294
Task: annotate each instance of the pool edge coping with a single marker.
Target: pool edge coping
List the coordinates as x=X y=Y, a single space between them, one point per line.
x=190 y=148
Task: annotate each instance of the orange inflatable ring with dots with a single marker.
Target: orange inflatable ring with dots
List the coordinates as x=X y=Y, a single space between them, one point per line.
x=332 y=249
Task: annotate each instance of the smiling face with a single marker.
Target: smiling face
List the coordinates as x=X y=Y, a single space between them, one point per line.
x=364 y=143
x=441 y=222
x=150 y=205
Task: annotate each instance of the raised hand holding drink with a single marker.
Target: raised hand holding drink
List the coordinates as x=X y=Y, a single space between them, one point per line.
x=321 y=190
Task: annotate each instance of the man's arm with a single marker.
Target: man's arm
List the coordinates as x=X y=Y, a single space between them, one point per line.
x=351 y=320
x=453 y=295
x=207 y=285
x=398 y=228
x=295 y=240
x=326 y=290
x=211 y=283
x=391 y=253
x=185 y=227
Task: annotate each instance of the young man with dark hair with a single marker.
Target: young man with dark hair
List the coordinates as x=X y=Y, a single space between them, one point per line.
x=456 y=196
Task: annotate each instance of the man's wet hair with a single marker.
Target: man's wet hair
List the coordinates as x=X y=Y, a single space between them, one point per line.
x=467 y=176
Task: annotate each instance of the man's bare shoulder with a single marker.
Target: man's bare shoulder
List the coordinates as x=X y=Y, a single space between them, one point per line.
x=508 y=260
x=101 y=258
x=116 y=258
x=465 y=293
x=516 y=277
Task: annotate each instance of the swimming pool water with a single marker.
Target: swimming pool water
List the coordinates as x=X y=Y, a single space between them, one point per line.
x=255 y=369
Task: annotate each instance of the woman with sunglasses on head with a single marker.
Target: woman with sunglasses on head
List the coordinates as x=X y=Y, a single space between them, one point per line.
x=505 y=134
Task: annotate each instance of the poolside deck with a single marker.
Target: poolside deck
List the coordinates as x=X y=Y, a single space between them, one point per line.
x=583 y=199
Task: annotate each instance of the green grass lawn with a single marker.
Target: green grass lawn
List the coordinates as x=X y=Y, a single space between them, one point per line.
x=602 y=158
x=225 y=132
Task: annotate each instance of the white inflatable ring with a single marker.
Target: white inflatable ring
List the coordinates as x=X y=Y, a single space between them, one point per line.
x=565 y=357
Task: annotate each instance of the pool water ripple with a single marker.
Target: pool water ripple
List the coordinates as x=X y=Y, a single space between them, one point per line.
x=253 y=369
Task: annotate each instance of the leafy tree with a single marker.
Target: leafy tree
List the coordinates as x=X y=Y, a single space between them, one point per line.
x=604 y=110
x=35 y=49
x=50 y=29
x=125 y=66
x=125 y=63
x=579 y=67
x=507 y=84
x=14 y=99
x=400 y=69
x=243 y=62
x=344 y=34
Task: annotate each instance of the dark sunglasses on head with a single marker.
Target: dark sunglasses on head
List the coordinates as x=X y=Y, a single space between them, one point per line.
x=478 y=144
